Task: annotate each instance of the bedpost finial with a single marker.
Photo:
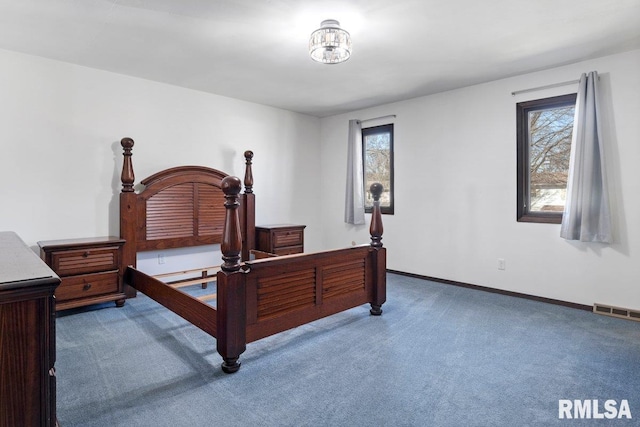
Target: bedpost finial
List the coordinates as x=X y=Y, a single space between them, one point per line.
x=127 y=143
x=376 y=217
x=376 y=190
x=231 y=187
x=231 y=244
x=127 y=177
x=248 y=173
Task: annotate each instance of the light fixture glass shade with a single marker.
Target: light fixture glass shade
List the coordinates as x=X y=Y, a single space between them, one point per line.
x=330 y=44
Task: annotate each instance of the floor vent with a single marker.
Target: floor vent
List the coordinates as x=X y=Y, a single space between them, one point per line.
x=622 y=313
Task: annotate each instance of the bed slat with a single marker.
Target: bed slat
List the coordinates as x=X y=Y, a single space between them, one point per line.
x=190 y=282
x=208 y=297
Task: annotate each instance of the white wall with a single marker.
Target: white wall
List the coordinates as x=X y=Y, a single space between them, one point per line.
x=455 y=185
x=60 y=127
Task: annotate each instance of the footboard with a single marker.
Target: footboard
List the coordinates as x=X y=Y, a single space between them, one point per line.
x=267 y=296
x=289 y=291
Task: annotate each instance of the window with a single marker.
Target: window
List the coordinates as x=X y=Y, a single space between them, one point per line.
x=545 y=127
x=377 y=150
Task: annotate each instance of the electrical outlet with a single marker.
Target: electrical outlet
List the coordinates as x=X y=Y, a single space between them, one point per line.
x=160 y=258
x=501 y=265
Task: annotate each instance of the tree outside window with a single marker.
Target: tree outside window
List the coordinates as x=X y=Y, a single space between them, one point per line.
x=377 y=150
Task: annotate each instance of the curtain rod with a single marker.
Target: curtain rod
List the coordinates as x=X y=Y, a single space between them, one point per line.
x=570 y=82
x=378 y=118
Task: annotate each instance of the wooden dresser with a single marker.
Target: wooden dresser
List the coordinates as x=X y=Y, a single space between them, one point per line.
x=281 y=239
x=88 y=269
x=27 y=336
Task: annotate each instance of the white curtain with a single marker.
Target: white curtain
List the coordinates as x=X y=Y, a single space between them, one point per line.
x=587 y=215
x=354 y=201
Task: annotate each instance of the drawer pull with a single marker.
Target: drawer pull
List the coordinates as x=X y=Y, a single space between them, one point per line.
x=86 y=254
x=86 y=287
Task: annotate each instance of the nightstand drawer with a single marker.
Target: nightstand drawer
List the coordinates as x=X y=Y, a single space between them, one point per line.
x=80 y=261
x=288 y=250
x=87 y=285
x=283 y=238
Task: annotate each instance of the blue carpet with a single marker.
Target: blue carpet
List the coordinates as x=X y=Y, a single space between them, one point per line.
x=440 y=355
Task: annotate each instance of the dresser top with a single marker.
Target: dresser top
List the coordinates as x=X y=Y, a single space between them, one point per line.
x=19 y=265
x=81 y=242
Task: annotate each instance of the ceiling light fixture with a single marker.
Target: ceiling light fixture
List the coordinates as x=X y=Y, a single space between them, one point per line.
x=330 y=44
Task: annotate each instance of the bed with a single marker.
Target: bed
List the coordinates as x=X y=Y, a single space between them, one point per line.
x=257 y=294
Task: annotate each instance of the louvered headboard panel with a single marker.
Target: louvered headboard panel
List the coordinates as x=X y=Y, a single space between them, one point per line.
x=180 y=207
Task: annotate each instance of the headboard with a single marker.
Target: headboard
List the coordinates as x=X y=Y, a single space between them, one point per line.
x=179 y=207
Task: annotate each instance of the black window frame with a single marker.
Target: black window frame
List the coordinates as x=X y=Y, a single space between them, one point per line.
x=373 y=130
x=523 y=159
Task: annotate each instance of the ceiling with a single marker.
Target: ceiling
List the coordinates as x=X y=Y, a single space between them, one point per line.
x=256 y=50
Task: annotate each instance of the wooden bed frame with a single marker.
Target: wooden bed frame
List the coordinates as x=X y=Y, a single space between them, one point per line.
x=192 y=205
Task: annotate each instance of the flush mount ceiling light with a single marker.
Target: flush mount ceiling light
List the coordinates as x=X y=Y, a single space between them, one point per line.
x=330 y=44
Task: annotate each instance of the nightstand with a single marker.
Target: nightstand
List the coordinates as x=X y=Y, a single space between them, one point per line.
x=89 y=269
x=280 y=239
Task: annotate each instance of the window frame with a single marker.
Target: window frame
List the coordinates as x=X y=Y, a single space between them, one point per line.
x=373 y=130
x=523 y=157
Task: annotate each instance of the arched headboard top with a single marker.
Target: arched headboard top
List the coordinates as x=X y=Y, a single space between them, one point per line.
x=181 y=174
x=181 y=171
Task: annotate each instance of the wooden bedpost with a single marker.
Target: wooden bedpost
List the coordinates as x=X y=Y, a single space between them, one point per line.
x=248 y=172
x=231 y=301
x=379 y=253
x=127 y=176
x=248 y=209
x=128 y=219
